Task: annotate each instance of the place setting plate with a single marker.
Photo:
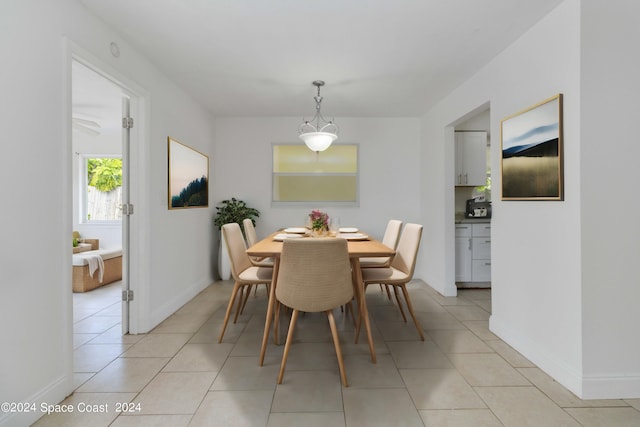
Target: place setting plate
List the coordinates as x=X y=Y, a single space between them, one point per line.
x=353 y=236
x=283 y=236
x=296 y=230
x=348 y=230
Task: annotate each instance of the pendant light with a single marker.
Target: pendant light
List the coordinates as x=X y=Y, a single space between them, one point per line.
x=318 y=133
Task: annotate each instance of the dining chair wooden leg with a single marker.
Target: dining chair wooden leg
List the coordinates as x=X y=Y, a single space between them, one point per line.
x=268 y=317
x=236 y=286
x=267 y=328
x=359 y=323
x=287 y=345
x=353 y=315
x=367 y=328
x=410 y=307
x=336 y=343
x=358 y=304
x=276 y=322
x=239 y=307
x=395 y=291
x=384 y=288
x=246 y=297
x=363 y=315
x=255 y=294
x=359 y=292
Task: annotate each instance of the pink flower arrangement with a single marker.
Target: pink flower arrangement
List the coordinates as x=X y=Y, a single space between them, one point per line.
x=319 y=220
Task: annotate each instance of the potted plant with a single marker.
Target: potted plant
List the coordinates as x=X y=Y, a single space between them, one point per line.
x=319 y=223
x=233 y=210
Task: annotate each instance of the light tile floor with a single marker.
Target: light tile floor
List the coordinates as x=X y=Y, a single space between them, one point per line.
x=178 y=375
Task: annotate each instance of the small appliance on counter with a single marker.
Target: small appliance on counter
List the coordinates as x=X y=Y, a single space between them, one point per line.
x=478 y=208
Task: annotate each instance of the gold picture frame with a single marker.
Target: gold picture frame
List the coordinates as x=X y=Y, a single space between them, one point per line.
x=188 y=183
x=531 y=161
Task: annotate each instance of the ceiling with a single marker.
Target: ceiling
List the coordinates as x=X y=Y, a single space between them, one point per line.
x=378 y=58
x=96 y=103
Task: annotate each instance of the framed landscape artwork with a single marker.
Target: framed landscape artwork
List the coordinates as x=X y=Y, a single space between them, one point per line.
x=532 y=152
x=188 y=177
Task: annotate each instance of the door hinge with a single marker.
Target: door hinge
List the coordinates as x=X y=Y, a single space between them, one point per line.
x=127 y=295
x=127 y=122
x=127 y=209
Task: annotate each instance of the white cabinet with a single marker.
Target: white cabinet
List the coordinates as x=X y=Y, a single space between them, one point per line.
x=463 y=252
x=471 y=158
x=473 y=252
x=481 y=253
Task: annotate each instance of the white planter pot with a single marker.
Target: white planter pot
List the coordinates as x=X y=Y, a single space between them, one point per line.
x=224 y=263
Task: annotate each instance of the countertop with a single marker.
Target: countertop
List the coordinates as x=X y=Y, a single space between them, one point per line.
x=461 y=219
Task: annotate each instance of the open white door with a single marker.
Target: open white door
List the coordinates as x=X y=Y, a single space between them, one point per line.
x=127 y=211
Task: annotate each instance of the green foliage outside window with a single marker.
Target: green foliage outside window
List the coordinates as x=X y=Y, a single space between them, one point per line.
x=104 y=174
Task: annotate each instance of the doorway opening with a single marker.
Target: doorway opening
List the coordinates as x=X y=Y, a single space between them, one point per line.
x=472 y=198
x=100 y=180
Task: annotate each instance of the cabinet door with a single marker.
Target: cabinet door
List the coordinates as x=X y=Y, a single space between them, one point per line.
x=481 y=230
x=471 y=158
x=464 y=230
x=481 y=248
x=463 y=259
x=459 y=169
x=481 y=270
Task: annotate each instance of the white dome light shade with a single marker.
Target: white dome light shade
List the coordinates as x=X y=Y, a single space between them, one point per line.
x=318 y=141
x=314 y=132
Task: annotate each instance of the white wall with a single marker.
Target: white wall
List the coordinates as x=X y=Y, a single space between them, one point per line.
x=535 y=245
x=389 y=170
x=181 y=249
x=480 y=121
x=35 y=292
x=610 y=234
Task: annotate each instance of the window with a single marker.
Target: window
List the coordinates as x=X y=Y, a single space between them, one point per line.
x=301 y=175
x=101 y=184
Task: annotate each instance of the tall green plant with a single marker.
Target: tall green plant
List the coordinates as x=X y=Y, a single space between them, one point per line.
x=234 y=210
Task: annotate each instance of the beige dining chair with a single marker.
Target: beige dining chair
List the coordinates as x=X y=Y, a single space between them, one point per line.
x=389 y=239
x=400 y=272
x=314 y=276
x=252 y=239
x=244 y=273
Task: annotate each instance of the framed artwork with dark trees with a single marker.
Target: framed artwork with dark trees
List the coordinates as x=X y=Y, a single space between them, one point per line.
x=188 y=185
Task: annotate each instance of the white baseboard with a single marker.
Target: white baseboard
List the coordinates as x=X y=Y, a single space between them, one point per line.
x=164 y=311
x=52 y=394
x=611 y=387
x=559 y=370
x=621 y=386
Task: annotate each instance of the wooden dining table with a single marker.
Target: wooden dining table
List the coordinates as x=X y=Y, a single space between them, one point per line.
x=269 y=247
